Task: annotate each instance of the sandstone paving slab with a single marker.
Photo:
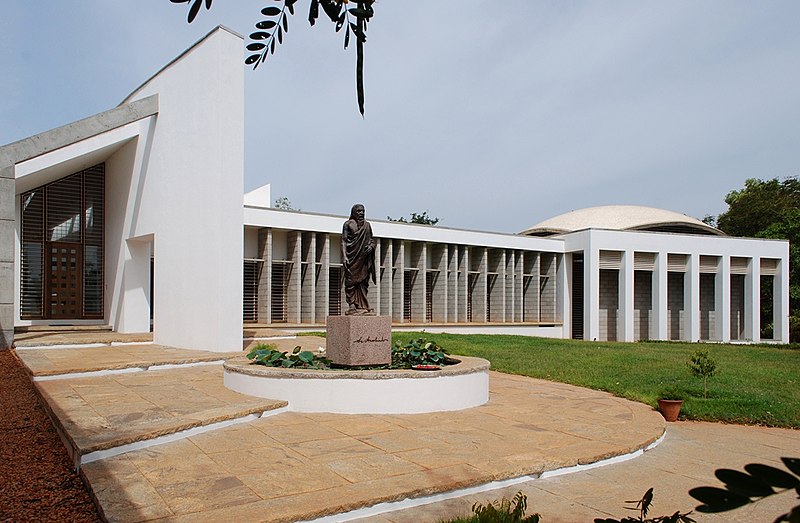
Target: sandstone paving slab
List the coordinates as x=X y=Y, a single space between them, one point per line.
x=309 y=343
x=103 y=412
x=295 y=466
x=78 y=336
x=687 y=458
x=51 y=362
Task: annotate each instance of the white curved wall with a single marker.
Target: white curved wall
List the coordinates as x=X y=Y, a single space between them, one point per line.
x=368 y=396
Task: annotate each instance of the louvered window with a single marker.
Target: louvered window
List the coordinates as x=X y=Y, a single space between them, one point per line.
x=644 y=261
x=677 y=262
x=472 y=282
x=769 y=267
x=250 y=290
x=335 y=291
x=93 y=227
x=610 y=259
x=430 y=282
x=709 y=264
x=738 y=265
x=409 y=276
x=62 y=256
x=280 y=288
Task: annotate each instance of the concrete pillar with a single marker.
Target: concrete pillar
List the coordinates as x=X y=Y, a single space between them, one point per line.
x=7 y=248
x=780 y=311
x=591 y=293
x=308 y=282
x=322 y=267
x=625 y=328
x=691 y=297
x=265 y=275
x=722 y=287
x=660 y=314
x=752 y=300
x=563 y=294
x=398 y=282
x=293 y=292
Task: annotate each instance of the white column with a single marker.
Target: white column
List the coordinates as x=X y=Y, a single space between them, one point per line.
x=752 y=300
x=625 y=298
x=564 y=294
x=591 y=293
x=660 y=314
x=691 y=299
x=780 y=314
x=722 y=300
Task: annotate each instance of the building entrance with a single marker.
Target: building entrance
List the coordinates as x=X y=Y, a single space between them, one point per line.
x=61 y=248
x=64 y=283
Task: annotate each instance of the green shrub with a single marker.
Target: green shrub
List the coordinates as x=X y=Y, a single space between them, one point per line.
x=702 y=366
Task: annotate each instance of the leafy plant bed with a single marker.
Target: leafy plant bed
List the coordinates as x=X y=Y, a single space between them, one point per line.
x=419 y=354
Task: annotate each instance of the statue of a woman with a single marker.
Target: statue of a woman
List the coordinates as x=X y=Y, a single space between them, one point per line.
x=358 y=252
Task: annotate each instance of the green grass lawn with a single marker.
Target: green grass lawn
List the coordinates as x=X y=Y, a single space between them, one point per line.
x=757 y=384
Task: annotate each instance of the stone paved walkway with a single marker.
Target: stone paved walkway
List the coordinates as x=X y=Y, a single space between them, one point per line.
x=295 y=466
x=103 y=412
x=687 y=458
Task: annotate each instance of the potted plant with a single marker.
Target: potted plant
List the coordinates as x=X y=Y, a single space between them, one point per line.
x=669 y=404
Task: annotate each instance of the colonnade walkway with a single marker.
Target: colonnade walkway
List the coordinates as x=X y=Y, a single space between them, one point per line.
x=159 y=438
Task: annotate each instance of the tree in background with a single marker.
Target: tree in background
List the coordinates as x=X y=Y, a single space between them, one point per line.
x=769 y=209
x=422 y=218
x=283 y=203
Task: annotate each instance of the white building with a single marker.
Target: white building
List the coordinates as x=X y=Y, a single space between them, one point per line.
x=135 y=216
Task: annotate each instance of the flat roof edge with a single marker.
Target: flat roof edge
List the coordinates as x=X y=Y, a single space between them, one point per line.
x=77 y=131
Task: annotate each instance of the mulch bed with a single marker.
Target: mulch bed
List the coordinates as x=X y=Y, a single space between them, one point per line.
x=37 y=479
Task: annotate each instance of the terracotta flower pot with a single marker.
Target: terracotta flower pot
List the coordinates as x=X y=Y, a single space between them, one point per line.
x=670 y=409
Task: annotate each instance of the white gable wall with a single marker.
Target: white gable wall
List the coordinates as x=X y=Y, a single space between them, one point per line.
x=187 y=200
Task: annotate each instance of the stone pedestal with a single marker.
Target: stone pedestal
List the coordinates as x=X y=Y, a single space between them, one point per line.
x=359 y=340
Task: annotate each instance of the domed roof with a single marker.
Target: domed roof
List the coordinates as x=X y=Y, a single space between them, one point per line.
x=622 y=218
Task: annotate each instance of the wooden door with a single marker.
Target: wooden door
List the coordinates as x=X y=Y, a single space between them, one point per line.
x=65 y=281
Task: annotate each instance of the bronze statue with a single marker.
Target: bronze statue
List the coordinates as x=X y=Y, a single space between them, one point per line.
x=358 y=255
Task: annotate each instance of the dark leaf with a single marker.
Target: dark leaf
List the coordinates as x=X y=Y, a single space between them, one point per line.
x=194 y=10
x=715 y=499
x=208 y=4
x=743 y=484
x=255 y=46
x=347 y=38
x=272 y=46
x=271 y=11
x=259 y=35
x=266 y=24
x=360 y=75
x=332 y=9
x=253 y=58
x=285 y=24
x=313 y=12
x=772 y=476
x=290 y=7
x=280 y=35
x=340 y=21
x=792 y=464
x=180 y=1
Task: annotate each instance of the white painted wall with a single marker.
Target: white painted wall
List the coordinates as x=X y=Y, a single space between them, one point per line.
x=187 y=196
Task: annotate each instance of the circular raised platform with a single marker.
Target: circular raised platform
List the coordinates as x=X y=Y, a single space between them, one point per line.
x=402 y=391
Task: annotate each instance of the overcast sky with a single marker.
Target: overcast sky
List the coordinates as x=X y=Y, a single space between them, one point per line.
x=490 y=115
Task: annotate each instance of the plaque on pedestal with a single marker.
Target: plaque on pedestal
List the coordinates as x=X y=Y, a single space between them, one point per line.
x=359 y=340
